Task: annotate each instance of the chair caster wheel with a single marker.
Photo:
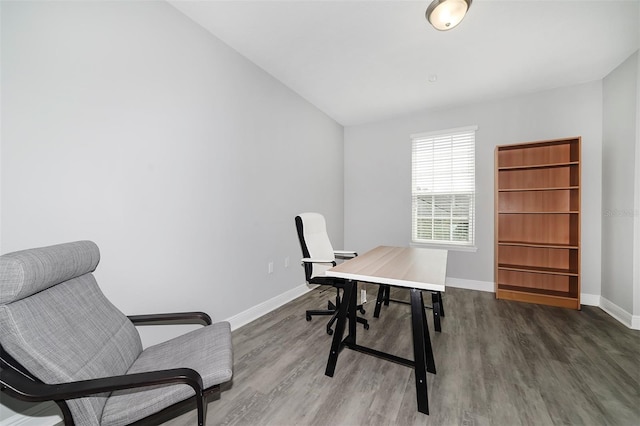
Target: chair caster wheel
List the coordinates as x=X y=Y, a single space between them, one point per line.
x=308 y=317
x=362 y=311
x=366 y=326
x=329 y=331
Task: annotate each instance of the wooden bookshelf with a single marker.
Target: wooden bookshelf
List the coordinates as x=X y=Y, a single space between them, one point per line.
x=537 y=222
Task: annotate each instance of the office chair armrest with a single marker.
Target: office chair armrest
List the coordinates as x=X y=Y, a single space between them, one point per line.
x=310 y=260
x=345 y=254
x=22 y=387
x=171 y=318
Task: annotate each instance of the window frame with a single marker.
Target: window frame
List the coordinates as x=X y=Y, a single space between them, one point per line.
x=449 y=244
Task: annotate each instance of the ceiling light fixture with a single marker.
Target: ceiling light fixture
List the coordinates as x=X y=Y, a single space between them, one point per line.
x=446 y=14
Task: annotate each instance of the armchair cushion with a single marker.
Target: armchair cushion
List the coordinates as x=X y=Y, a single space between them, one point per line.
x=206 y=350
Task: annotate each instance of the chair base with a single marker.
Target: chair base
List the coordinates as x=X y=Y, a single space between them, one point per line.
x=332 y=310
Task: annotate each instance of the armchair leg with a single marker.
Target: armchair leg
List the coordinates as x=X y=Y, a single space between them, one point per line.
x=202 y=409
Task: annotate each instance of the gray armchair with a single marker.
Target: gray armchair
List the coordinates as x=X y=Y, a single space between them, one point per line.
x=62 y=340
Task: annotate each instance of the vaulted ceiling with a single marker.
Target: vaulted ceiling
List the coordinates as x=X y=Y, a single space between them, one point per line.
x=363 y=61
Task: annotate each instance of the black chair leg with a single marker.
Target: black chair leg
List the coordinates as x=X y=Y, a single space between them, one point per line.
x=333 y=311
x=363 y=321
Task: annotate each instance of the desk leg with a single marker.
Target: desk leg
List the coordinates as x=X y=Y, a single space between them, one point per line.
x=336 y=343
x=422 y=350
x=352 y=314
x=387 y=295
x=441 y=304
x=435 y=303
x=379 y=299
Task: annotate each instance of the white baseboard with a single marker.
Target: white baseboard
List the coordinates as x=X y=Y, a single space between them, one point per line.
x=470 y=284
x=630 y=320
x=263 y=308
x=590 y=299
x=635 y=322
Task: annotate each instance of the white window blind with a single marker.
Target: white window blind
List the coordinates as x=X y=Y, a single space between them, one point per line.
x=443 y=187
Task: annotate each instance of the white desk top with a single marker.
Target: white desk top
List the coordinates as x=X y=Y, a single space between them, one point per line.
x=411 y=267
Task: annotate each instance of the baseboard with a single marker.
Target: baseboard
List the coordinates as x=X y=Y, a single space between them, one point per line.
x=264 y=308
x=635 y=322
x=590 y=299
x=44 y=414
x=470 y=284
x=631 y=321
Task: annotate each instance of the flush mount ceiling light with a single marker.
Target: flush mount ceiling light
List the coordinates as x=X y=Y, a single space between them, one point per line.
x=446 y=14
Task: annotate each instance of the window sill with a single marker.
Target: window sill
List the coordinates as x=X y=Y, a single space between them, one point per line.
x=452 y=247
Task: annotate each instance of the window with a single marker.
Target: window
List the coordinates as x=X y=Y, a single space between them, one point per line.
x=443 y=187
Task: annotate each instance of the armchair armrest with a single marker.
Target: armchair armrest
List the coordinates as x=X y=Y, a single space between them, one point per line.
x=171 y=318
x=22 y=387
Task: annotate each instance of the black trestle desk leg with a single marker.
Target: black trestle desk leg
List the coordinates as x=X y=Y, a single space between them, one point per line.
x=336 y=343
x=441 y=304
x=353 y=312
x=420 y=333
x=435 y=303
x=431 y=365
x=387 y=294
x=376 y=313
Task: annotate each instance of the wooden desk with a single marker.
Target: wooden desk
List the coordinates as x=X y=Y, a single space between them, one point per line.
x=414 y=268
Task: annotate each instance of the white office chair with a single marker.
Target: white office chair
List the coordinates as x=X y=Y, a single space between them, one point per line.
x=319 y=256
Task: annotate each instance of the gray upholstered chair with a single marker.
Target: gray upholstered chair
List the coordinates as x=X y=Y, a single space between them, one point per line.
x=62 y=340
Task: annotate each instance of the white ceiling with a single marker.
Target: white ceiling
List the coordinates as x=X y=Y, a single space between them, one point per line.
x=363 y=61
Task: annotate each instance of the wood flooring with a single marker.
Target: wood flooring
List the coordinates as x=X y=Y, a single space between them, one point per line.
x=498 y=363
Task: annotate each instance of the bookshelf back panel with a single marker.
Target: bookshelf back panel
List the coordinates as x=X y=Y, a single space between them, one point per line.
x=535 y=155
x=552 y=229
x=539 y=201
x=529 y=281
x=551 y=152
x=551 y=177
x=540 y=257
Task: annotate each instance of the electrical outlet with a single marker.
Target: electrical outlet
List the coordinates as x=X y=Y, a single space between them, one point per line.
x=286 y=262
x=270 y=267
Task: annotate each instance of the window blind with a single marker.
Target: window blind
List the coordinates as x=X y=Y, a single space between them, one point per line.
x=443 y=187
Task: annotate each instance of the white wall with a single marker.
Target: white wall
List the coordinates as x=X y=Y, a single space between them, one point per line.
x=618 y=183
x=378 y=171
x=127 y=124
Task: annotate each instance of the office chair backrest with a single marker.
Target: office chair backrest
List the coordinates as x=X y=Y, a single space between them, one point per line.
x=315 y=243
x=58 y=324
